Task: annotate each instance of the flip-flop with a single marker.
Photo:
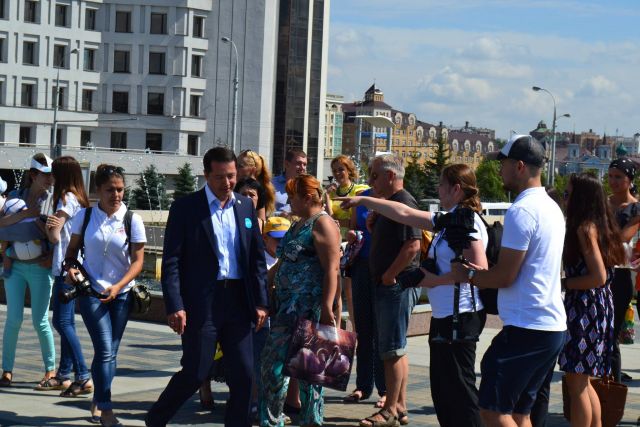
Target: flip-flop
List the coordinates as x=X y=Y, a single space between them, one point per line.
x=356 y=396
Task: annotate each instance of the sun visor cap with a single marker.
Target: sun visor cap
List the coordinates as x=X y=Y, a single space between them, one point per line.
x=46 y=168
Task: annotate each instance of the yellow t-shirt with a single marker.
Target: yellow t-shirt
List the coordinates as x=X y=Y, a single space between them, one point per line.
x=338 y=212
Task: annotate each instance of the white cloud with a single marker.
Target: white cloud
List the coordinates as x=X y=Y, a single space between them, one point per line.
x=597 y=86
x=450 y=85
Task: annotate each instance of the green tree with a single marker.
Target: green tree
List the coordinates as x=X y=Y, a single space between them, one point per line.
x=185 y=182
x=489 y=181
x=433 y=167
x=415 y=179
x=151 y=190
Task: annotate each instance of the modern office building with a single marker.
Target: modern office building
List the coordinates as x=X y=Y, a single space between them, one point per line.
x=135 y=82
x=333 y=126
x=303 y=34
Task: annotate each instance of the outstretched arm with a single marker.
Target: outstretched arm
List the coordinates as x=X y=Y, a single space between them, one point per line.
x=396 y=211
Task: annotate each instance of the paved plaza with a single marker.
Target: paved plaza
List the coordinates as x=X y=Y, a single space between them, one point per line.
x=150 y=353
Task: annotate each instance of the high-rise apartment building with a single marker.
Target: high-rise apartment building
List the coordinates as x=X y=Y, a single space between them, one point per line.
x=333 y=126
x=303 y=32
x=134 y=80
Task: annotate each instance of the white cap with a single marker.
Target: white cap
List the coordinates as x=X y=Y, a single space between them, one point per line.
x=3 y=185
x=39 y=166
x=13 y=206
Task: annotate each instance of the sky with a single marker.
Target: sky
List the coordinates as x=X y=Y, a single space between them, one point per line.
x=464 y=60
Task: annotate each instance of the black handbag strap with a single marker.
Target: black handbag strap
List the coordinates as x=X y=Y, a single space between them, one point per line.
x=128 y=216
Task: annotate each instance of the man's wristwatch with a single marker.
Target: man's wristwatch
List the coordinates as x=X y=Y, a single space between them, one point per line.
x=470 y=274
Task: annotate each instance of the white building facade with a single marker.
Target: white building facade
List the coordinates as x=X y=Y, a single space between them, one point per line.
x=139 y=82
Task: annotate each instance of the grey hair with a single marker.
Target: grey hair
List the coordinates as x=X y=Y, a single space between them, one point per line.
x=390 y=162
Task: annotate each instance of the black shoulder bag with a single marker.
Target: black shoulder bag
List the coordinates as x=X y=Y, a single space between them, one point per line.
x=141 y=295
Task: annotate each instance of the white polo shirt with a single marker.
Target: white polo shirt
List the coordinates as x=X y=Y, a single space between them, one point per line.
x=535 y=224
x=71 y=207
x=106 y=250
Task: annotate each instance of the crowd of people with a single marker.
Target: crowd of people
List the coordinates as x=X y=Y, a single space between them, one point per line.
x=247 y=256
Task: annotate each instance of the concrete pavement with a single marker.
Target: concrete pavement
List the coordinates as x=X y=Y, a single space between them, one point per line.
x=150 y=354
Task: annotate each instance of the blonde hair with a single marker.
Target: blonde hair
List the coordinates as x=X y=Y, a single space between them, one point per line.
x=464 y=176
x=252 y=159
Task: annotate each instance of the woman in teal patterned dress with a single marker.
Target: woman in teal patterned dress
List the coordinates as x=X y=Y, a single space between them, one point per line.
x=305 y=280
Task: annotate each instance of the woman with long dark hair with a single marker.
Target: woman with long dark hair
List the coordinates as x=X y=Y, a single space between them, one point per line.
x=592 y=248
x=112 y=261
x=69 y=197
x=625 y=206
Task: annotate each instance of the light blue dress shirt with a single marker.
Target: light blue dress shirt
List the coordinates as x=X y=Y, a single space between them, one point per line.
x=227 y=236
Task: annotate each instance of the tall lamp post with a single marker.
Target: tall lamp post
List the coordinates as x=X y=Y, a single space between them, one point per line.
x=235 y=93
x=552 y=164
x=54 y=149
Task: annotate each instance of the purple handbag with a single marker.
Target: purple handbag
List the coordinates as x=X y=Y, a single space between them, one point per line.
x=321 y=354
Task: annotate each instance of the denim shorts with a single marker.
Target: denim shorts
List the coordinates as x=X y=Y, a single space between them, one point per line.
x=393 y=307
x=515 y=366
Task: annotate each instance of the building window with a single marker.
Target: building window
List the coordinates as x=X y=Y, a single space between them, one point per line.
x=155 y=103
x=2 y=14
x=194 y=105
x=154 y=142
x=198 y=26
x=2 y=58
x=61 y=15
x=60 y=94
x=120 y=102
x=90 y=19
x=196 y=65
x=29 y=53
x=192 y=145
x=123 y=22
x=85 y=138
x=156 y=62
x=26 y=95
x=31 y=11
x=121 y=61
x=59 y=56
x=89 y=59
x=24 y=137
x=119 y=140
x=158 y=23
x=87 y=100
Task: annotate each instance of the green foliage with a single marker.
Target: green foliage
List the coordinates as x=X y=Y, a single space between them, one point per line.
x=151 y=191
x=490 y=182
x=433 y=167
x=415 y=179
x=185 y=182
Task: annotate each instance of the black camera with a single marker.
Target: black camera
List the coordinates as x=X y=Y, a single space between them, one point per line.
x=82 y=284
x=458 y=227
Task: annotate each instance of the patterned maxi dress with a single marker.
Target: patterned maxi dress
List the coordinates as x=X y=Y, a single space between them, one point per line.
x=589 y=339
x=298 y=294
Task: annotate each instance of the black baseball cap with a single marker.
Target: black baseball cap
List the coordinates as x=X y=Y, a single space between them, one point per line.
x=521 y=147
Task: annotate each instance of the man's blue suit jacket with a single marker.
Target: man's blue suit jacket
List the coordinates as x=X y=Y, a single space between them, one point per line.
x=190 y=264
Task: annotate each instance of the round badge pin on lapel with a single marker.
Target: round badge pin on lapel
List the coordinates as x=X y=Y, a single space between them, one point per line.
x=247 y=222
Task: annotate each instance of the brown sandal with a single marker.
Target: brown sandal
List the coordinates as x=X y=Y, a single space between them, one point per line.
x=78 y=388
x=389 y=420
x=7 y=379
x=48 y=384
x=403 y=417
x=356 y=396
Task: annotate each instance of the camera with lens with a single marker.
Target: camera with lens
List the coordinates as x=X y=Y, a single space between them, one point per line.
x=81 y=284
x=457 y=227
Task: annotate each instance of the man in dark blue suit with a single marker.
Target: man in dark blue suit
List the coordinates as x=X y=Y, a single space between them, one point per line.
x=214 y=285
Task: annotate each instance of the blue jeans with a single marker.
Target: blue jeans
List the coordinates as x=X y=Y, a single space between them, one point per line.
x=105 y=323
x=393 y=310
x=369 y=369
x=71 y=358
x=39 y=281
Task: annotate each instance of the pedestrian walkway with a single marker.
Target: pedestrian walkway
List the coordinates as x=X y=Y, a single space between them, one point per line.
x=150 y=353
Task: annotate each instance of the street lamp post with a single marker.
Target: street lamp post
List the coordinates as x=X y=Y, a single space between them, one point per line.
x=55 y=149
x=235 y=93
x=552 y=164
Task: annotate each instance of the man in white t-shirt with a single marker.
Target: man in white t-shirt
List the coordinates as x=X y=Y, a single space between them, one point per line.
x=527 y=274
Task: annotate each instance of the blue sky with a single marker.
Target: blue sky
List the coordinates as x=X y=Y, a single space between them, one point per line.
x=454 y=61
